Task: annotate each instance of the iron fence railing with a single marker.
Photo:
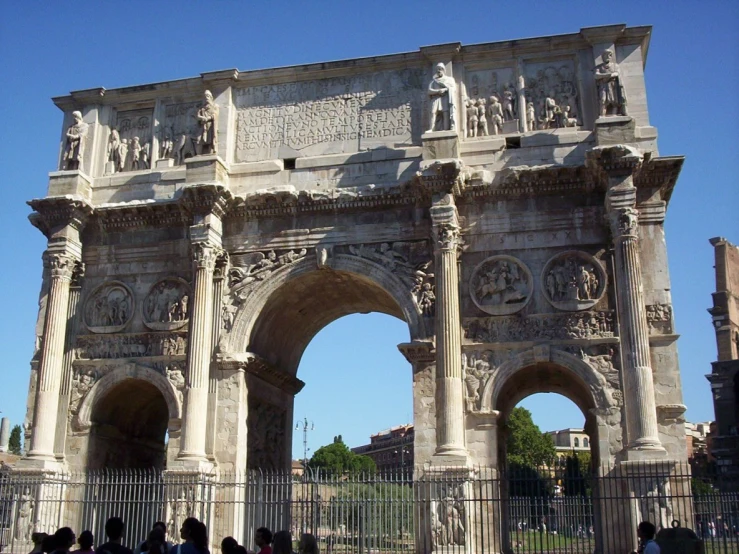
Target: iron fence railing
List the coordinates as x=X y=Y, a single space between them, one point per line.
x=472 y=510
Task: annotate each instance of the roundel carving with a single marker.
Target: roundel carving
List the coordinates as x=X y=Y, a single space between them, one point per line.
x=109 y=308
x=501 y=285
x=573 y=281
x=167 y=306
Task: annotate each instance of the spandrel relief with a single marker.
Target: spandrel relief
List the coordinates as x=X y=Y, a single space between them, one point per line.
x=329 y=116
x=491 y=103
x=551 y=95
x=501 y=285
x=266 y=428
x=573 y=281
x=129 y=142
x=167 y=306
x=109 y=308
x=478 y=367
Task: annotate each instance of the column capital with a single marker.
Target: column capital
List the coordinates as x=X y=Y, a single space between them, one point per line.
x=206 y=255
x=624 y=222
x=62 y=265
x=207 y=199
x=440 y=178
x=52 y=215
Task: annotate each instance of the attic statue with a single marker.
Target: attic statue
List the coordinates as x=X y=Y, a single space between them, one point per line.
x=611 y=94
x=74 y=147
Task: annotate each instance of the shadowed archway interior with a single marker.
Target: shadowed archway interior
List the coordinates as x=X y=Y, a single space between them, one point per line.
x=129 y=425
x=305 y=305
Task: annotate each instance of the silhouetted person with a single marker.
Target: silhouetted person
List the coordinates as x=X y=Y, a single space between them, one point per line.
x=282 y=543
x=238 y=549
x=646 y=532
x=85 y=540
x=114 y=531
x=263 y=539
x=157 y=525
x=47 y=544
x=228 y=545
x=155 y=543
x=38 y=542
x=308 y=544
x=64 y=539
x=195 y=537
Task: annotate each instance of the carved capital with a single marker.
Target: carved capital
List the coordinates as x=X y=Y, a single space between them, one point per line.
x=61 y=266
x=205 y=255
x=624 y=222
x=78 y=274
x=221 y=265
x=614 y=160
x=204 y=200
x=439 y=177
x=447 y=237
x=418 y=351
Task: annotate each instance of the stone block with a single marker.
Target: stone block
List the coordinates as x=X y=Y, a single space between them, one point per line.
x=75 y=183
x=165 y=163
x=615 y=130
x=440 y=145
x=206 y=169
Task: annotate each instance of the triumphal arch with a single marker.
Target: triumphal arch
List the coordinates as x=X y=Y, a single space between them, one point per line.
x=506 y=200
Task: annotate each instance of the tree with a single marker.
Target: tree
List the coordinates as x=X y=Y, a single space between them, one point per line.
x=527 y=445
x=15 y=443
x=336 y=458
x=576 y=482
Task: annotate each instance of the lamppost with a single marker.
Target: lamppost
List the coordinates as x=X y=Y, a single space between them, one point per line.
x=307 y=426
x=403 y=450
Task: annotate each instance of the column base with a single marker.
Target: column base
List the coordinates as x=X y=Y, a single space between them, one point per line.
x=192 y=463
x=39 y=462
x=644 y=451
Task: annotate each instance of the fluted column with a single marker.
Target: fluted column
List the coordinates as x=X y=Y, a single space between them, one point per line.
x=199 y=354
x=641 y=411
x=219 y=277
x=450 y=410
x=61 y=266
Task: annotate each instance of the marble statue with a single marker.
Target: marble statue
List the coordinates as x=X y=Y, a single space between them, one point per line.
x=208 y=120
x=472 y=117
x=495 y=111
x=114 y=142
x=74 y=148
x=442 y=91
x=482 y=122
x=611 y=94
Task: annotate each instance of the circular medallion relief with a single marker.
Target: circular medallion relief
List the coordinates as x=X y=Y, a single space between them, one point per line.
x=167 y=306
x=501 y=285
x=573 y=281
x=109 y=308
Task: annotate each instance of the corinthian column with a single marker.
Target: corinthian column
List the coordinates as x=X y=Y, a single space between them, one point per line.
x=199 y=354
x=60 y=267
x=620 y=163
x=450 y=410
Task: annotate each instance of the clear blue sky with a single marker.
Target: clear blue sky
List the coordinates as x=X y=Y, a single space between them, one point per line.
x=357 y=385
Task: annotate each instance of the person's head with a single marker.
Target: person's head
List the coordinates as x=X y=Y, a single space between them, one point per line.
x=77 y=116
x=199 y=536
x=160 y=525
x=187 y=527
x=114 y=529
x=646 y=530
x=48 y=544
x=64 y=538
x=85 y=540
x=308 y=544
x=440 y=69
x=263 y=537
x=38 y=538
x=228 y=545
x=282 y=543
x=155 y=543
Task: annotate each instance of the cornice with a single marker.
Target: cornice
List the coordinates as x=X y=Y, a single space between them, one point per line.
x=206 y=199
x=660 y=174
x=53 y=212
x=140 y=215
x=259 y=367
x=527 y=181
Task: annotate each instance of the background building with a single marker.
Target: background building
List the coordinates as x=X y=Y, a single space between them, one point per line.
x=724 y=376
x=391 y=449
x=568 y=440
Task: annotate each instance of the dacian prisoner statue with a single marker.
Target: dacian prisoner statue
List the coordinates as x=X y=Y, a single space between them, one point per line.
x=443 y=92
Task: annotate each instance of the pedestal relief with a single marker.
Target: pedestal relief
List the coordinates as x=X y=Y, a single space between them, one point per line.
x=573 y=281
x=501 y=285
x=109 y=308
x=167 y=306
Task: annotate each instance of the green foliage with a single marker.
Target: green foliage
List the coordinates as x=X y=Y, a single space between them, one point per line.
x=527 y=445
x=337 y=459
x=15 y=444
x=701 y=488
x=576 y=481
x=351 y=505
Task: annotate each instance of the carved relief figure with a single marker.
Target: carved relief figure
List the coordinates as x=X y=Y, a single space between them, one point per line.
x=166 y=142
x=531 y=116
x=130 y=346
x=266 y=424
x=472 y=118
x=659 y=318
x=122 y=154
x=167 y=304
x=442 y=91
x=611 y=94
x=24 y=519
x=114 y=142
x=481 y=117
x=81 y=385
x=477 y=372
x=208 y=120
x=180 y=509
x=74 y=148
x=423 y=290
x=501 y=285
x=549 y=92
x=565 y=326
x=449 y=519
x=509 y=112
x=109 y=308
x=175 y=376
x=573 y=281
x=495 y=112
x=135 y=150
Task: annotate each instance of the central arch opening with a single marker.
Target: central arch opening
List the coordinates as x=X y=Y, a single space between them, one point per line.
x=129 y=426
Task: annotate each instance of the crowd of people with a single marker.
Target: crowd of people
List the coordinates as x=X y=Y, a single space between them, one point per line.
x=193 y=533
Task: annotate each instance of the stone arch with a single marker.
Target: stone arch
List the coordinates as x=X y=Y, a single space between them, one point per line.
x=131 y=371
x=348 y=284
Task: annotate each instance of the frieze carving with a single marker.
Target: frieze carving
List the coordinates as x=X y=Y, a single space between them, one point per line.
x=179 y=131
x=109 y=308
x=448 y=517
x=93 y=347
x=167 y=306
x=492 y=103
x=573 y=281
x=501 y=285
x=551 y=96
x=129 y=142
x=266 y=428
x=582 y=325
x=478 y=367
x=659 y=318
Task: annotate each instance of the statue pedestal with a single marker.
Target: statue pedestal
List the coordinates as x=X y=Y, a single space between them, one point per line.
x=440 y=145
x=614 y=129
x=70 y=183
x=165 y=163
x=210 y=169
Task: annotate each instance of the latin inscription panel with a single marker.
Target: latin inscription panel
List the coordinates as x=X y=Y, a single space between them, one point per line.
x=329 y=116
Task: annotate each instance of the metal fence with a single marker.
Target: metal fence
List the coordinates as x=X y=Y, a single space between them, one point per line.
x=475 y=511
